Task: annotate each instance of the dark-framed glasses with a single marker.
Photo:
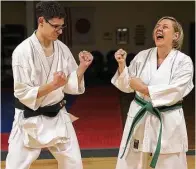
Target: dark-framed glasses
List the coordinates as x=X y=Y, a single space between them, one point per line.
x=57 y=27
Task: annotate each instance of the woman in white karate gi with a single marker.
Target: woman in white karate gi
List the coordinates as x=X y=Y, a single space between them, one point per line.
x=44 y=70
x=160 y=77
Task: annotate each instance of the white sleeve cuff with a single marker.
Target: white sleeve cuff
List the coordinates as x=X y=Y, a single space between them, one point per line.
x=122 y=81
x=72 y=86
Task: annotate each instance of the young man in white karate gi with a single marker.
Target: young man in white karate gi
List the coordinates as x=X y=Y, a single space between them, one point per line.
x=43 y=71
x=161 y=77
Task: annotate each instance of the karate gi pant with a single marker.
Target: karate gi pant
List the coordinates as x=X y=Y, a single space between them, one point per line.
x=135 y=159
x=67 y=155
x=141 y=160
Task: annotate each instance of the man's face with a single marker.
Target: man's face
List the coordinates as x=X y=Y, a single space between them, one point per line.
x=52 y=28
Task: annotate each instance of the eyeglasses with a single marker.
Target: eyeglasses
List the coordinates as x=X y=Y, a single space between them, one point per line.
x=57 y=27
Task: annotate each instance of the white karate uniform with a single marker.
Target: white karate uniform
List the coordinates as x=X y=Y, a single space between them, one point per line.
x=167 y=85
x=31 y=69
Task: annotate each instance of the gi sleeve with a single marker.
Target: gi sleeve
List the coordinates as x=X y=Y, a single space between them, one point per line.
x=23 y=87
x=73 y=86
x=122 y=81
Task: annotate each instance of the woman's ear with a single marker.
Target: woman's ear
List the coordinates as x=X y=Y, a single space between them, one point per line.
x=176 y=36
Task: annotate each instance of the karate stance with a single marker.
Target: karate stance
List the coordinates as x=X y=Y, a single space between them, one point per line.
x=160 y=77
x=44 y=70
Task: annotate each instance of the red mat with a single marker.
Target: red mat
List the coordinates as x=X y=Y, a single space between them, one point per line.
x=99 y=124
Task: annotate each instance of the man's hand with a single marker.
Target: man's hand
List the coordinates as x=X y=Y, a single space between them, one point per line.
x=85 y=58
x=59 y=79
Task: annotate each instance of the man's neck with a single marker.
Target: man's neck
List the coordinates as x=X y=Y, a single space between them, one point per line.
x=45 y=43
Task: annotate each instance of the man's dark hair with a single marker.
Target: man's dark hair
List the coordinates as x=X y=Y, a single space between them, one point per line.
x=49 y=10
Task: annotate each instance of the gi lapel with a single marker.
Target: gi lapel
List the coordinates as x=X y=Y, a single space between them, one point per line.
x=55 y=62
x=37 y=46
x=163 y=73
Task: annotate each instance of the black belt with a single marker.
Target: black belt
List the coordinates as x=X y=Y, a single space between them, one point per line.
x=50 y=111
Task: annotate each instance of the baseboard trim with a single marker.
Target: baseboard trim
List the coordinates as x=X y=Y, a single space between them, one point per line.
x=86 y=153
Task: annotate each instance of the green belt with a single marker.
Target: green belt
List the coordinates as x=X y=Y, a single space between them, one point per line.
x=147 y=106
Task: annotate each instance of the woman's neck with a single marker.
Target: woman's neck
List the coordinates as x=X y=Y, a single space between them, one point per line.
x=162 y=52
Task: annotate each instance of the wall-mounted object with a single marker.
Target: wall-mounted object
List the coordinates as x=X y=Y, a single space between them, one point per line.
x=122 y=35
x=107 y=36
x=140 y=32
x=83 y=25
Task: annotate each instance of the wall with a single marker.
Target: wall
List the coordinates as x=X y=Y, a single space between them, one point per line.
x=13 y=12
x=109 y=15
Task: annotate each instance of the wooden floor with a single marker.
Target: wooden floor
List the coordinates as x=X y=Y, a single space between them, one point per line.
x=91 y=163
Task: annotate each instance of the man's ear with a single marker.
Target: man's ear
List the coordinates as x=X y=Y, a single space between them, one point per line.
x=41 y=21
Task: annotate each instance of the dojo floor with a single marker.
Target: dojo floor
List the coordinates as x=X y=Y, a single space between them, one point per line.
x=103 y=161
x=92 y=163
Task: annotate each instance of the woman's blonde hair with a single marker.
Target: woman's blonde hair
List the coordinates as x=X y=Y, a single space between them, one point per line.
x=177 y=44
